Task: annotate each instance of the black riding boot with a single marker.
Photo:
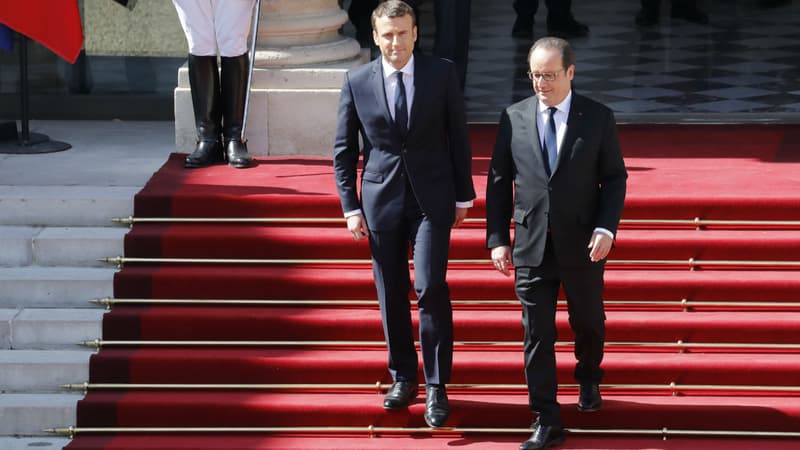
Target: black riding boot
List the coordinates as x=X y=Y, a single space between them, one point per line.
x=234 y=92
x=204 y=83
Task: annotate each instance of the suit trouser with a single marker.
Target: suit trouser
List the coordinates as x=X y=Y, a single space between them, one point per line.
x=452 y=33
x=537 y=290
x=557 y=10
x=430 y=245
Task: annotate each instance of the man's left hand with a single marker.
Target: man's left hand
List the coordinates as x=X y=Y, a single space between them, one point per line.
x=461 y=214
x=600 y=245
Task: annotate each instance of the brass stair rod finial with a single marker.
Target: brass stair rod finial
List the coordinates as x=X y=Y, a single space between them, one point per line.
x=129 y=221
x=96 y=343
x=105 y=301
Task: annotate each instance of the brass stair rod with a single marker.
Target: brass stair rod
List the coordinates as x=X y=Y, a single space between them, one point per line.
x=325 y=261
x=98 y=343
x=130 y=220
x=691 y=262
x=373 y=430
x=698 y=222
x=108 y=301
x=381 y=387
x=111 y=301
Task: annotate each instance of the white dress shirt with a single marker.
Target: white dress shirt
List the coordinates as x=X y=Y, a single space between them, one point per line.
x=390 y=85
x=560 y=117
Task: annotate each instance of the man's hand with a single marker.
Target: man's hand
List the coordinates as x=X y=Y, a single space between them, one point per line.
x=357 y=226
x=461 y=214
x=600 y=245
x=501 y=258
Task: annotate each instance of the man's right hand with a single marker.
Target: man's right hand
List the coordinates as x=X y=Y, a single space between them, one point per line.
x=357 y=226
x=501 y=258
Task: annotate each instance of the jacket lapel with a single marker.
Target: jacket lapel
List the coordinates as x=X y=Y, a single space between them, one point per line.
x=574 y=121
x=531 y=133
x=419 y=90
x=379 y=89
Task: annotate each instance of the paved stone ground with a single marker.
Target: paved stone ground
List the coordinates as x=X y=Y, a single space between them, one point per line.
x=742 y=66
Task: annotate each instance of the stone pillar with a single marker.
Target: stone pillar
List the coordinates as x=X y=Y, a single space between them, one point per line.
x=300 y=62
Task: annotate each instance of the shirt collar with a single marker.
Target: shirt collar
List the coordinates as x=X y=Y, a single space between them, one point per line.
x=389 y=70
x=563 y=106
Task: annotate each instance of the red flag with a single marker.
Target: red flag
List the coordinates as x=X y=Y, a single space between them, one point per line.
x=56 y=24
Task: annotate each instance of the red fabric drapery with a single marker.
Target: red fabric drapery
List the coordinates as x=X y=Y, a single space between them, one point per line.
x=56 y=24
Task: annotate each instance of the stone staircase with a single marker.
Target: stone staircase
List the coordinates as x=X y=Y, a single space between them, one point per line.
x=55 y=222
x=48 y=273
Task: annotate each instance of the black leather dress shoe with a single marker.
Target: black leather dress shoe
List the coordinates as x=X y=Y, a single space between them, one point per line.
x=589 y=398
x=543 y=436
x=568 y=28
x=400 y=395
x=437 y=408
x=236 y=154
x=205 y=154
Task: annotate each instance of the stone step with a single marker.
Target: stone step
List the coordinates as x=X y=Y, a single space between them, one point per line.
x=17 y=245
x=60 y=206
x=59 y=246
x=49 y=328
x=31 y=414
x=40 y=371
x=56 y=287
x=33 y=443
x=78 y=246
x=7 y=316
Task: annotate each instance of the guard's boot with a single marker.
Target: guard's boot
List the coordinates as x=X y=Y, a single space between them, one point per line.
x=234 y=94
x=204 y=83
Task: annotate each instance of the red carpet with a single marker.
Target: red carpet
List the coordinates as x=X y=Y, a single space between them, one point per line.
x=725 y=361
x=675 y=172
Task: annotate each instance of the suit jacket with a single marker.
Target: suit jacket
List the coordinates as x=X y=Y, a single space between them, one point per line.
x=586 y=189
x=434 y=155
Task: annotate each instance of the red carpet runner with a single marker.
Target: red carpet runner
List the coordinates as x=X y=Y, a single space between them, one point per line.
x=278 y=327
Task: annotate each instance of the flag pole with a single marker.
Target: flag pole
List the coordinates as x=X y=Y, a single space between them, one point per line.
x=27 y=142
x=252 y=64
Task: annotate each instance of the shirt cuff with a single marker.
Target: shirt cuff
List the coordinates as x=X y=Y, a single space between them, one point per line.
x=354 y=212
x=604 y=231
x=464 y=204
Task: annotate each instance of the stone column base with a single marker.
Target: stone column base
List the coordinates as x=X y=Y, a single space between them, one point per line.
x=292 y=111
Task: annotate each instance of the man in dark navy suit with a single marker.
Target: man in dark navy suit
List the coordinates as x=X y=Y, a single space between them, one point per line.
x=557 y=172
x=415 y=186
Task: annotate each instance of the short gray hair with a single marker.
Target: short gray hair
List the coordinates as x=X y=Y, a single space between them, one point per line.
x=550 y=42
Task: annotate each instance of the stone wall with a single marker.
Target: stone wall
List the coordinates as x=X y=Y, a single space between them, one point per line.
x=150 y=29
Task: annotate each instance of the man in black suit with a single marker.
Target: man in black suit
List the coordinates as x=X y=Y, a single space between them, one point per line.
x=416 y=184
x=557 y=171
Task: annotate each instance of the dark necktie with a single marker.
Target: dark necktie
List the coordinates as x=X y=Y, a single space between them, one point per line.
x=400 y=105
x=550 y=148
